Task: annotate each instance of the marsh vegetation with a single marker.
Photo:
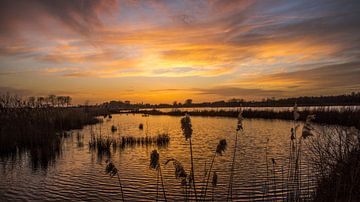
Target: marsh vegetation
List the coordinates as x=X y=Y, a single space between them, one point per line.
x=191 y=158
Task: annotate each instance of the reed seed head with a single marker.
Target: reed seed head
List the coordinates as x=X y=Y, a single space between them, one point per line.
x=154 y=159
x=186 y=126
x=239 y=123
x=292 y=134
x=296 y=113
x=113 y=128
x=221 y=147
x=310 y=118
x=179 y=169
x=307 y=129
x=111 y=169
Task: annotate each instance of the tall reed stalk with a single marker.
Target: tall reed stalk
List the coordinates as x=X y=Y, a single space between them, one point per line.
x=296 y=154
x=181 y=174
x=267 y=167
x=239 y=127
x=187 y=132
x=274 y=175
x=214 y=184
x=220 y=149
x=112 y=171
x=154 y=164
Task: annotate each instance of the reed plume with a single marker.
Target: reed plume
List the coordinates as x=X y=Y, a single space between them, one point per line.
x=220 y=149
x=180 y=174
x=112 y=171
x=113 y=129
x=296 y=152
x=238 y=128
x=187 y=132
x=154 y=164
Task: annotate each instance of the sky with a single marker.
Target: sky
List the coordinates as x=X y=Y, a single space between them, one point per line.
x=163 y=51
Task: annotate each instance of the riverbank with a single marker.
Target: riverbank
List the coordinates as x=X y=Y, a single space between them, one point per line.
x=347 y=117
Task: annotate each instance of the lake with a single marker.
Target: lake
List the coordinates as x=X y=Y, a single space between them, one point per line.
x=79 y=173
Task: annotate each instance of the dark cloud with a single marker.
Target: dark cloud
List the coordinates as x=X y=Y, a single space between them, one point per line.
x=321 y=22
x=328 y=76
x=18 y=50
x=326 y=79
x=78 y=15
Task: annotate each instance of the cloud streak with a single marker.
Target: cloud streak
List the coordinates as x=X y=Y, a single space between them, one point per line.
x=266 y=47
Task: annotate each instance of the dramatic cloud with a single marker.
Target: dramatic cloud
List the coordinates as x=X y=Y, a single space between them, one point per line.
x=79 y=15
x=222 y=48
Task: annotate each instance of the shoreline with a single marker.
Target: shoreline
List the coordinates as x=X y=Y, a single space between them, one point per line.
x=344 y=118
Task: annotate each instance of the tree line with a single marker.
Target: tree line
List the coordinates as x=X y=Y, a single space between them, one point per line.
x=340 y=100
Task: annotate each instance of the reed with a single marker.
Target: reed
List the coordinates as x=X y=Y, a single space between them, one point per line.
x=103 y=144
x=154 y=164
x=187 y=132
x=214 y=184
x=113 y=129
x=181 y=174
x=160 y=140
x=112 y=171
x=220 y=149
x=274 y=175
x=295 y=154
x=267 y=167
x=239 y=128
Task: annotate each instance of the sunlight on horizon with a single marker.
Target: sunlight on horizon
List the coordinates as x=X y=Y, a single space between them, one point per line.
x=165 y=51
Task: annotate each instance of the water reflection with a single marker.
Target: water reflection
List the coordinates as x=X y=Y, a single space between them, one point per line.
x=78 y=173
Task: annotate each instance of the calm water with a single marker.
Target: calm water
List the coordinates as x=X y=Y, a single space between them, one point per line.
x=78 y=174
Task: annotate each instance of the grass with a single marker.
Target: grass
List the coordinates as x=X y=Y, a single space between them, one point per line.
x=336 y=157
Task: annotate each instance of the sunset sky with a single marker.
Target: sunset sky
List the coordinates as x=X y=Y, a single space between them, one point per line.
x=162 y=51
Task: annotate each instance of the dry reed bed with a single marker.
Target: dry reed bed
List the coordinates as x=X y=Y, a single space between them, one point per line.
x=28 y=128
